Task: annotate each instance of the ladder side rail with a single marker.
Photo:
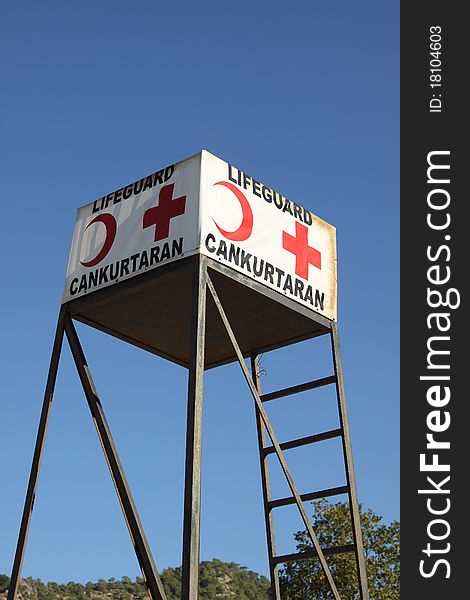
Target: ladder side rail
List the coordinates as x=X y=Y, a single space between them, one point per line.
x=266 y=487
x=349 y=465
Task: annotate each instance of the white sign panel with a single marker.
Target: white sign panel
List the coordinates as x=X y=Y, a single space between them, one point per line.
x=205 y=205
x=138 y=227
x=255 y=230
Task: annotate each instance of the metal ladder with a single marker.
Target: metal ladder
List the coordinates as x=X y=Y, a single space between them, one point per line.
x=349 y=488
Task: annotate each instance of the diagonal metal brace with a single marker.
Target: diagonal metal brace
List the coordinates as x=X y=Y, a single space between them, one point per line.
x=37 y=456
x=274 y=441
x=141 y=547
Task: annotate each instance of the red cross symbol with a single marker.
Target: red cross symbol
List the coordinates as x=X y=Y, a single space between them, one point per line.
x=305 y=255
x=161 y=215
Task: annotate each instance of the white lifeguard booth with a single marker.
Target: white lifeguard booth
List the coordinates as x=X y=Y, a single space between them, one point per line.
x=202 y=264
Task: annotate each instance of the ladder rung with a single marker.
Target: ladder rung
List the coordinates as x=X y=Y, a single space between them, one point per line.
x=344 y=489
x=310 y=439
x=285 y=558
x=296 y=389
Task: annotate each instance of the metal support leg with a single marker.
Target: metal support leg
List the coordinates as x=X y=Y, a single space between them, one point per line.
x=349 y=466
x=265 y=483
x=275 y=443
x=142 y=550
x=36 y=464
x=192 y=485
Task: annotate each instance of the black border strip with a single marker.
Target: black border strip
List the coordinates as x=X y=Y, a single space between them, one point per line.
x=436 y=570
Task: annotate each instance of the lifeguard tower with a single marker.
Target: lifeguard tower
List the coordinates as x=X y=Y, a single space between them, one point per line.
x=203 y=265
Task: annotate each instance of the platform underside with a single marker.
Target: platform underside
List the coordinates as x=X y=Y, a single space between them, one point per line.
x=153 y=311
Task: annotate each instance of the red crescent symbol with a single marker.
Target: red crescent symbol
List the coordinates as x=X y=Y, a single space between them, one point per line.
x=246 y=227
x=111 y=226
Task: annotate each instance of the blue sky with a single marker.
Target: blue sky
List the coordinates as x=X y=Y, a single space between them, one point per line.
x=302 y=96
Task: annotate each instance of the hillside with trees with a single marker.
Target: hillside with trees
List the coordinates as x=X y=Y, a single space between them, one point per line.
x=300 y=580
x=218 y=581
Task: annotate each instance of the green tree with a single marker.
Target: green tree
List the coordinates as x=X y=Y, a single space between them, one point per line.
x=219 y=581
x=4 y=583
x=73 y=590
x=304 y=579
x=101 y=586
